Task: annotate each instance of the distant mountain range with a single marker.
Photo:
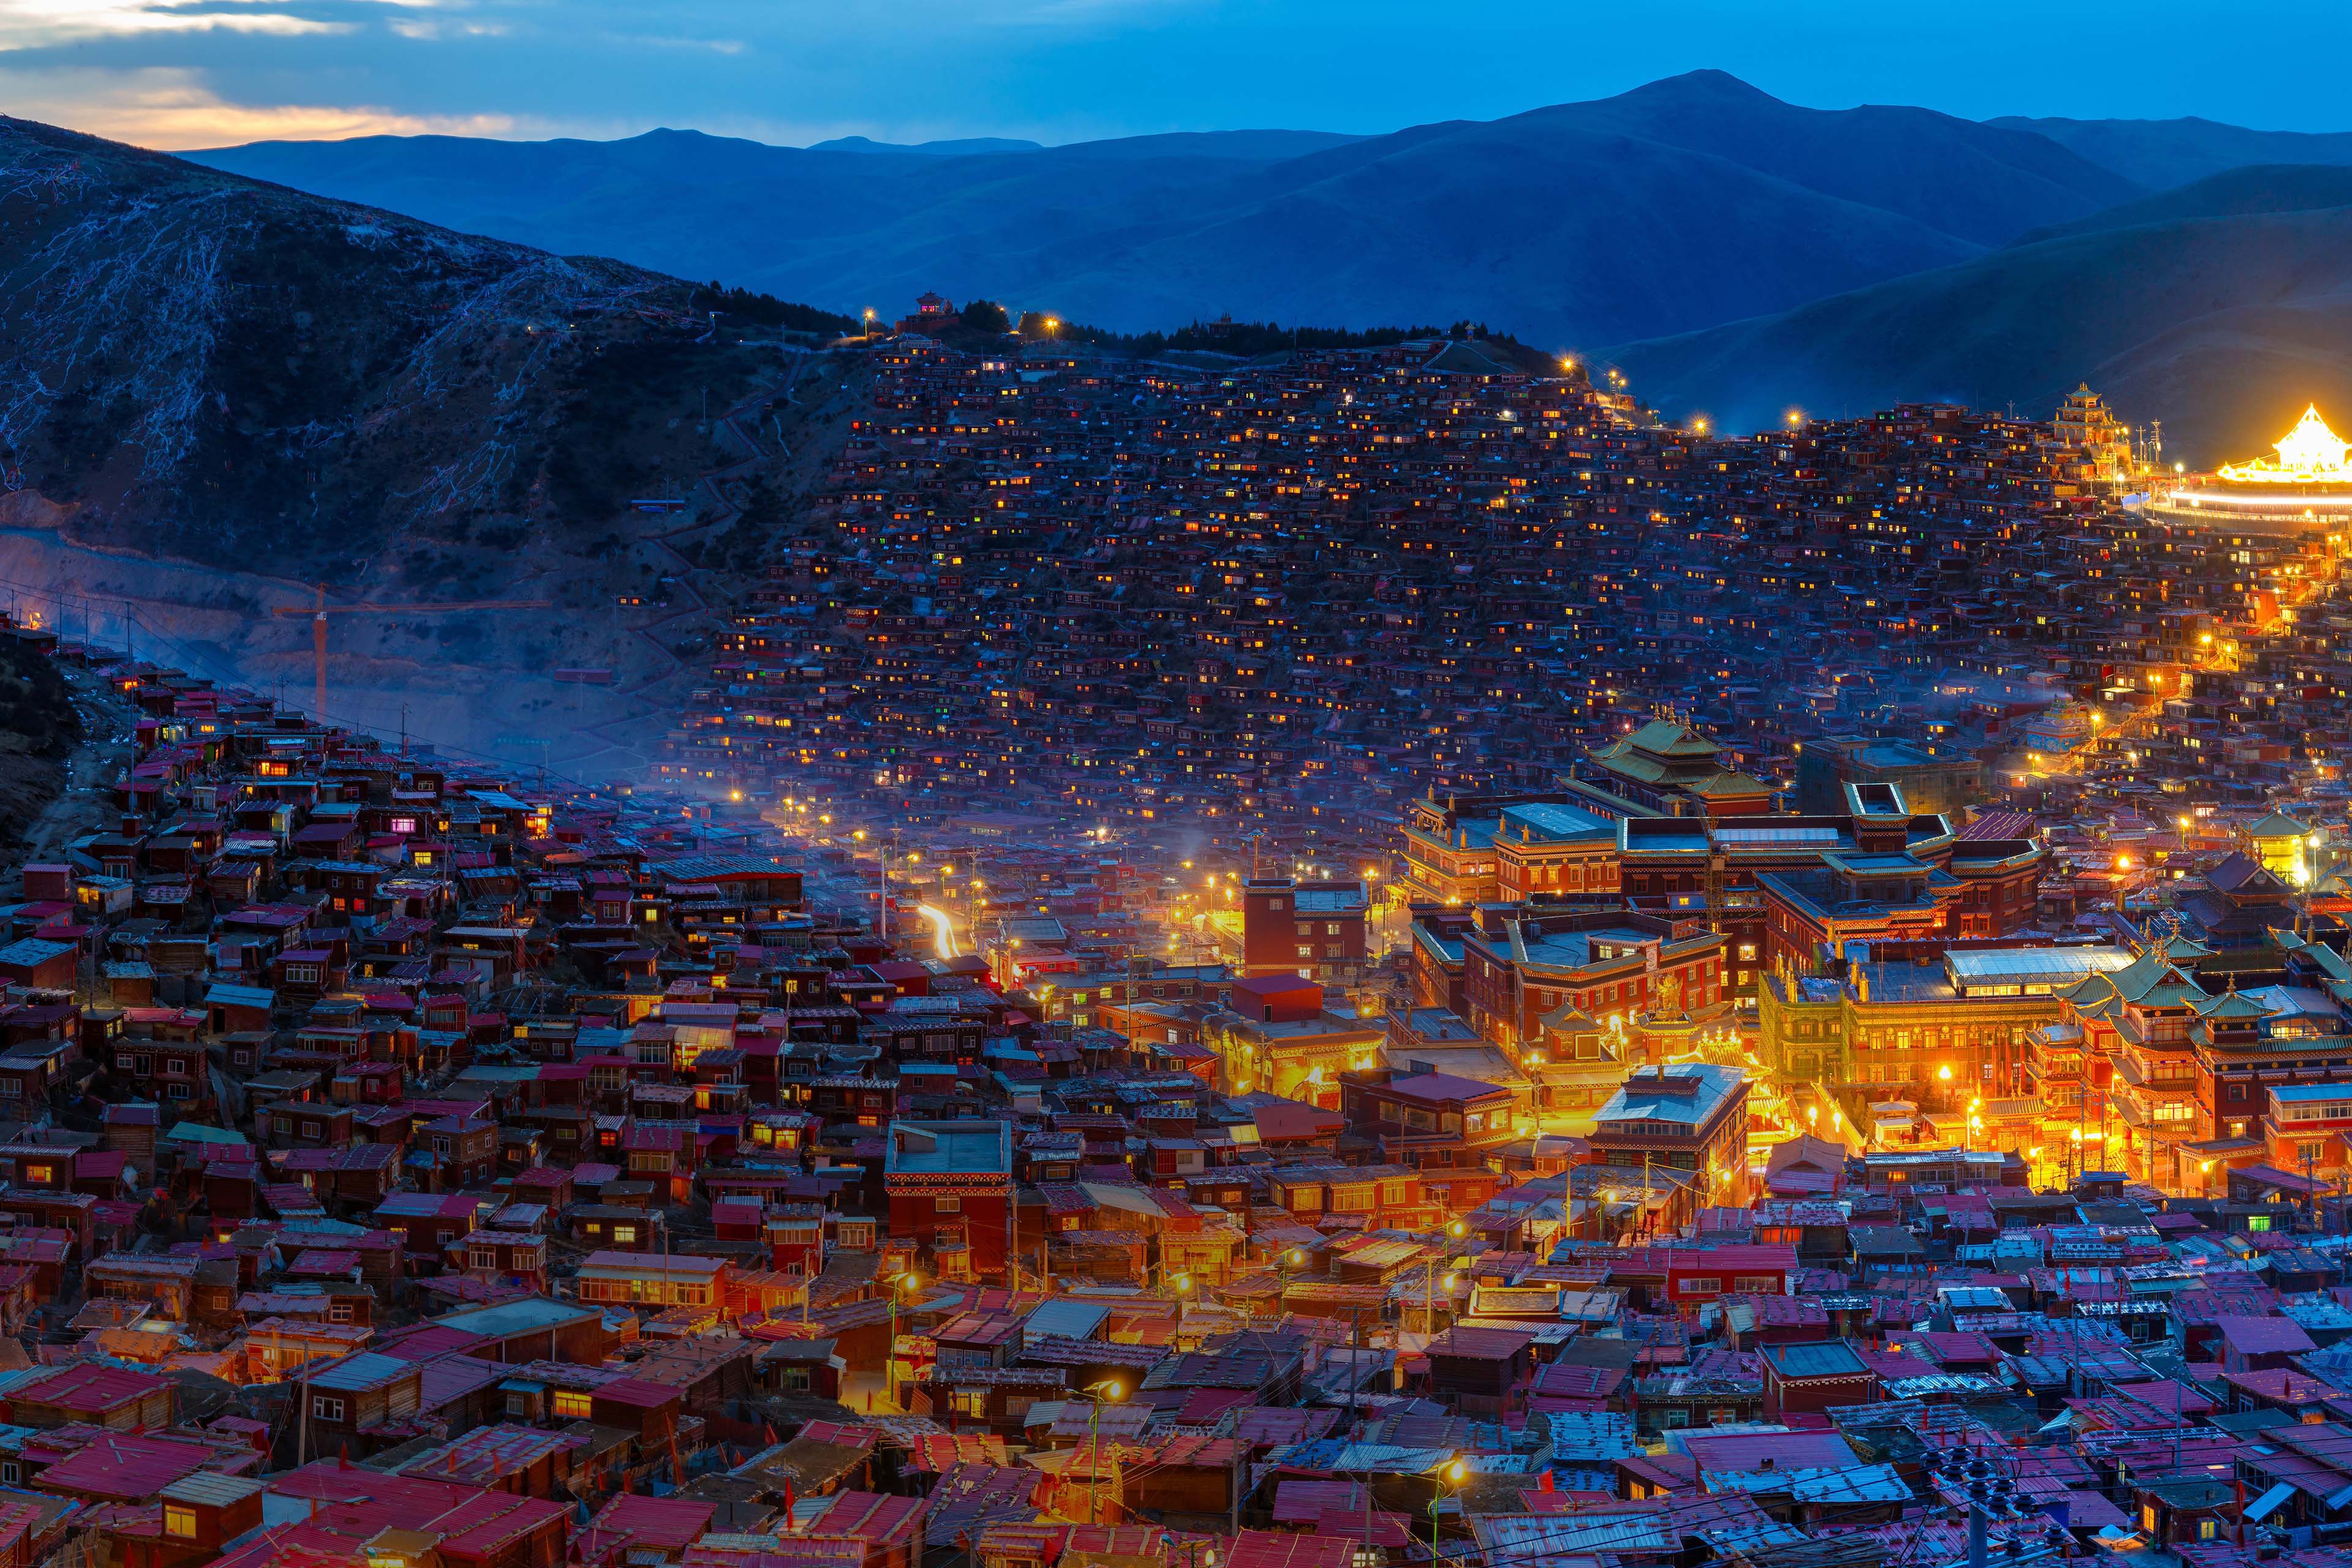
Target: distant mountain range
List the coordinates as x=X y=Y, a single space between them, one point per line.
x=2162 y=153
x=1750 y=255
x=964 y=147
x=1680 y=204
x=2221 y=308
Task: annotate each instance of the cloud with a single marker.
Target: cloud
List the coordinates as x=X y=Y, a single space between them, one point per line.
x=170 y=110
x=433 y=28
x=46 y=24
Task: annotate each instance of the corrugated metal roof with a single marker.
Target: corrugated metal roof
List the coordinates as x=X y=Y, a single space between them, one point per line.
x=367 y=1369
x=1067 y=1319
x=1521 y=1539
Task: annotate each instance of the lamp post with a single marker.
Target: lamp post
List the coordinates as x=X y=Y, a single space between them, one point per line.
x=1290 y=1259
x=1450 y=1476
x=1108 y=1389
x=907 y=1280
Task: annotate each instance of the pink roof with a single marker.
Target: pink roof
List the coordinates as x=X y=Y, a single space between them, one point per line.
x=1480 y=1344
x=1784 y=1450
x=639 y=1392
x=1289 y=1549
x=1442 y=1089
x=86 y=1387
x=355 y=1505
x=1289 y=1118
x=1761 y=1257
x=127 y=1468
x=872 y=1516
x=668 y=1523
x=1302 y=1499
x=2264 y=1336
x=321 y=1260
x=428 y=1340
x=2278 y=1382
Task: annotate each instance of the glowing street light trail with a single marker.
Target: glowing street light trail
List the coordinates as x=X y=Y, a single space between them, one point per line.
x=939 y=917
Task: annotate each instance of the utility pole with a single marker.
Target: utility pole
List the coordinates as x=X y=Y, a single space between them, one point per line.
x=1233 y=1494
x=1355 y=1339
x=1133 y=994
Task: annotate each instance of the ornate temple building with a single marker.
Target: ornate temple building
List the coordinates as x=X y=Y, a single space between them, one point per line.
x=2102 y=445
x=2306 y=488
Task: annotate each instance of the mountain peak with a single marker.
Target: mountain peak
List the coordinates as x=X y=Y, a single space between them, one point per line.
x=1706 y=84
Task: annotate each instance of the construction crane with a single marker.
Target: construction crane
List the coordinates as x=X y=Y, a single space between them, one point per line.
x=322 y=610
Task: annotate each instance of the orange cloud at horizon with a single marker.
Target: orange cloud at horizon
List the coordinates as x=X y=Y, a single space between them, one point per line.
x=168 y=110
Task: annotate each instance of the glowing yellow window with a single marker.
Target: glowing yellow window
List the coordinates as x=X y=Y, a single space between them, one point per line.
x=572 y=1404
x=179 y=1521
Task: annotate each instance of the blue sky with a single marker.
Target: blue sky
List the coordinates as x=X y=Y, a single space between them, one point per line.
x=187 y=73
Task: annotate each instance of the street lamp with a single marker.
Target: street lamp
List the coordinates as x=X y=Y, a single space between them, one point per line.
x=1452 y=1475
x=905 y=1280
x=1108 y=1389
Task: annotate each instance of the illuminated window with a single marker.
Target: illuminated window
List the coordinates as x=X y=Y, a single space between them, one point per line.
x=572 y=1404
x=625 y=1232
x=179 y=1521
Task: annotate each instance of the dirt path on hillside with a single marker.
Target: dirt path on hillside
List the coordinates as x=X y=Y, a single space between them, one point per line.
x=107 y=748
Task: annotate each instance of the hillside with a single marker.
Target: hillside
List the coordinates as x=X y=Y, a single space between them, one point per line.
x=219 y=392
x=2219 y=309
x=2161 y=153
x=1681 y=204
x=39 y=725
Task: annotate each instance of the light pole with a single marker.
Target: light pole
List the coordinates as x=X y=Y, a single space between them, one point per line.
x=1450 y=1476
x=907 y=1280
x=1429 y=1295
x=1108 y=1389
